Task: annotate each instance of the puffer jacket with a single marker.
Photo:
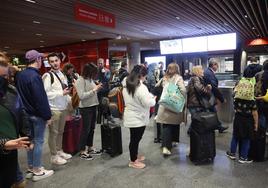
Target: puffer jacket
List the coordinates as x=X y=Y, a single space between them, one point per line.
x=196 y=84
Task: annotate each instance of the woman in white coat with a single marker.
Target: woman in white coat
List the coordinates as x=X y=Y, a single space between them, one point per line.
x=138 y=101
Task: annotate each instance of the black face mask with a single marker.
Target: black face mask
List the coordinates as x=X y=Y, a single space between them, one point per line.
x=3 y=86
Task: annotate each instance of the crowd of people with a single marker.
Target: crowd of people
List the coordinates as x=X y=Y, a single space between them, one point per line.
x=29 y=103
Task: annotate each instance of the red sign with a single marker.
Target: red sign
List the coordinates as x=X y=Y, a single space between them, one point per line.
x=89 y=14
x=256 y=42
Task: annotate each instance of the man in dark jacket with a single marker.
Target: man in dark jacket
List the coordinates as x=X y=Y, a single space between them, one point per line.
x=35 y=102
x=123 y=71
x=210 y=78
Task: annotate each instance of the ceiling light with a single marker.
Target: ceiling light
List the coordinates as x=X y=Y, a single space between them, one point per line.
x=42 y=46
x=83 y=40
x=38 y=34
x=6 y=47
x=253 y=28
x=150 y=32
x=177 y=17
x=93 y=32
x=42 y=41
x=30 y=1
x=36 y=22
x=246 y=16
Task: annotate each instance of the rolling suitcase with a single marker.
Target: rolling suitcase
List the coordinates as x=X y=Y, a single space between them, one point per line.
x=257 y=146
x=71 y=135
x=111 y=139
x=202 y=147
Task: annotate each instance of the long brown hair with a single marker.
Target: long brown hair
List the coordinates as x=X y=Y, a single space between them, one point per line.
x=89 y=71
x=172 y=69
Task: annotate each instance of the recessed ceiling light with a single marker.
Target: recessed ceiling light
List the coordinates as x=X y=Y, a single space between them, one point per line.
x=30 y=1
x=42 y=41
x=93 y=32
x=246 y=16
x=36 y=22
x=38 y=34
x=42 y=46
x=253 y=28
x=83 y=40
x=177 y=17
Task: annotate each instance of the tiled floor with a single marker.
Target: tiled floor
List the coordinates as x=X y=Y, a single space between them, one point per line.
x=174 y=171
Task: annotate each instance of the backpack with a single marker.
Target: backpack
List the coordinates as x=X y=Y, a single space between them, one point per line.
x=245 y=89
x=116 y=101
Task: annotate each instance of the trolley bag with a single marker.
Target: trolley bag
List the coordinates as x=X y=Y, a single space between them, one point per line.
x=111 y=138
x=258 y=143
x=71 y=135
x=202 y=147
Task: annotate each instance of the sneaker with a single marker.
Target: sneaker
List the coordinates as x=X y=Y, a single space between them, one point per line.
x=222 y=129
x=94 y=152
x=29 y=174
x=230 y=155
x=63 y=155
x=136 y=164
x=85 y=156
x=243 y=160
x=166 y=151
x=42 y=174
x=56 y=159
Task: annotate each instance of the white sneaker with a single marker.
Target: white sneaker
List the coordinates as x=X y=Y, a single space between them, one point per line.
x=42 y=174
x=63 y=155
x=166 y=151
x=56 y=159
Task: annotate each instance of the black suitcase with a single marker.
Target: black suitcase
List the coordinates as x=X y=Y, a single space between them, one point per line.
x=257 y=146
x=111 y=139
x=202 y=147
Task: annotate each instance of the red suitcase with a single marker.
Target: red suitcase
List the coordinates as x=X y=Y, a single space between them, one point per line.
x=71 y=135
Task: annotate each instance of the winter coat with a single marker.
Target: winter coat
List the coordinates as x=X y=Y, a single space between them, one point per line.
x=136 y=113
x=164 y=115
x=196 y=84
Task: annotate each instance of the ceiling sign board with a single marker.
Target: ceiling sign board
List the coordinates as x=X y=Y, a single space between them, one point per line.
x=92 y=15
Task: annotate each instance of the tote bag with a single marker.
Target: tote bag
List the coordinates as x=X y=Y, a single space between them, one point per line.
x=172 y=98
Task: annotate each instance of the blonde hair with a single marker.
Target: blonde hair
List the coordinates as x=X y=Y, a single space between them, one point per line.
x=197 y=70
x=172 y=69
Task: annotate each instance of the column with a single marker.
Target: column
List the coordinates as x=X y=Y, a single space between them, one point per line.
x=133 y=55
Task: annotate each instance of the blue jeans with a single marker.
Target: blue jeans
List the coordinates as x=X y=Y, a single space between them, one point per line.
x=243 y=146
x=35 y=155
x=19 y=177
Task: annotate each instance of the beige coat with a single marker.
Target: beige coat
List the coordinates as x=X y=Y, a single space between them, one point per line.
x=166 y=116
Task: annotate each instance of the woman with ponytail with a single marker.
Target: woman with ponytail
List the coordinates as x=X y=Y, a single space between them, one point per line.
x=138 y=101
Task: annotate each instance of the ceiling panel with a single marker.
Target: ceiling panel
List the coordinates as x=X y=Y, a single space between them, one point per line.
x=136 y=20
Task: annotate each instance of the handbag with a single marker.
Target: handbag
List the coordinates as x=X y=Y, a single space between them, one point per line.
x=172 y=98
x=204 y=122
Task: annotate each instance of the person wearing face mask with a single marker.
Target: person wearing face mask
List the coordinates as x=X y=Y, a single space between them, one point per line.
x=9 y=141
